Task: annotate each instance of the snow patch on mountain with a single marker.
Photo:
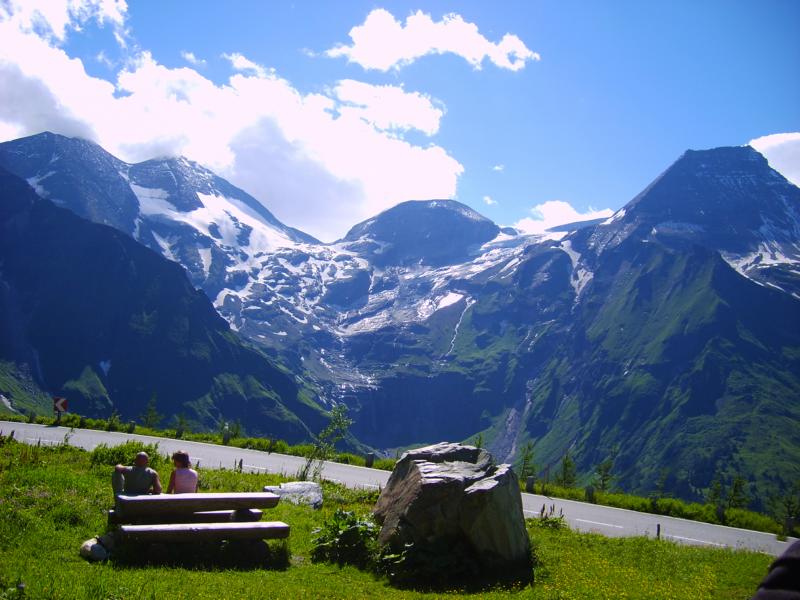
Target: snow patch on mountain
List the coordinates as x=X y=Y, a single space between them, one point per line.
x=7 y=404
x=580 y=275
x=615 y=217
x=166 y=247
x=152 y=201
x=765 y=256
x=35 y=183
x=205 y=258
x=448 y=300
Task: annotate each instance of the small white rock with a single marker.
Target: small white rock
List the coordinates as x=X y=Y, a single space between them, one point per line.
x=93 y=550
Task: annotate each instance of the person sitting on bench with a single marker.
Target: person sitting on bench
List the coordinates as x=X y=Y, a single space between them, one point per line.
x=183 y=479
x=136 y=480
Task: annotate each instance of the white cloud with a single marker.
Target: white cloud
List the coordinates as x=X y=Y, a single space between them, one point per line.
x=382 y=42
x=389 y=107
x=782 y=150
x=498 y=168
x=489 y=201
x=244 y=65
x=557 y=212
x=192 y=59
x=52 y=18
x=104 y=60
x=316 y=166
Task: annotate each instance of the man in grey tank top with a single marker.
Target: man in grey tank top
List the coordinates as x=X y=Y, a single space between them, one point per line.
x=136 y=480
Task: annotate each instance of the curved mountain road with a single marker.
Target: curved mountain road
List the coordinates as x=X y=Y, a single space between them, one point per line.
x=609 y=521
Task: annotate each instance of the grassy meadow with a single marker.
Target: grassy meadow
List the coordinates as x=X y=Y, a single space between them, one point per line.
x=53 y=498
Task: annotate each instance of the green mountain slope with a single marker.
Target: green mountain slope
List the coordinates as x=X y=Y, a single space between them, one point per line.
x=104 y=321
x=679 y=366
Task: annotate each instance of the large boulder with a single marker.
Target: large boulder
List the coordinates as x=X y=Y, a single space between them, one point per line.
x=450 y=493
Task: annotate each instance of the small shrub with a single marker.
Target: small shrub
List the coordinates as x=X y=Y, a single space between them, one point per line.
x=345 y=539
x=347 y=458
x=123 y=454
x=746 y=519
x=548 y=519
x=113 y=423
x=300 y=450
x=385 y=464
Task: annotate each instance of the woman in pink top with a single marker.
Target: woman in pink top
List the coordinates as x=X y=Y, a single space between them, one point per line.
x=183 y=479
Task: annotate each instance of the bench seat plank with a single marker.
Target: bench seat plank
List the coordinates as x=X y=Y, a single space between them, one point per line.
x=171 y=504
x=208 y=516
x=197 y=532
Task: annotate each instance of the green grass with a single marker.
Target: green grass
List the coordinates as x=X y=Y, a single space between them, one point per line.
x=53 y=498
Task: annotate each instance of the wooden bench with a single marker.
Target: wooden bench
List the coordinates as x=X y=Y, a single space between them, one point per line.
x=196 y=517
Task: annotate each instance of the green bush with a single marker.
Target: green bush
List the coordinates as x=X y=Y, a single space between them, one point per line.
x=104 y=455
x=348 y=458
x=385 y=464
x=746 y=519
x=300 y=450
x=262 y=444
x=345 y=539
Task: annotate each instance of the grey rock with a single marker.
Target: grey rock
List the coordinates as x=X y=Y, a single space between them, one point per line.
x=299 y=492
x=93 y=550
x=455 y=492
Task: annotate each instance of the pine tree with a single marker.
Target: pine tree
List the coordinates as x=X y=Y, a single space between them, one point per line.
x=181 y=425
x=714 y=495
x=151 y=417
x=604 y=475
x=737 y=496
x=568 y=476
x=526 y=467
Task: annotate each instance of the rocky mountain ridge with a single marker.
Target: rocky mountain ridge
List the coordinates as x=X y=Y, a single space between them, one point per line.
x=634 y=337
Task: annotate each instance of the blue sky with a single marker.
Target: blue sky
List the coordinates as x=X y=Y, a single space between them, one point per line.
x=600 y=99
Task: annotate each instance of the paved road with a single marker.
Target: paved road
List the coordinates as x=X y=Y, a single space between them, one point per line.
x=615 y=522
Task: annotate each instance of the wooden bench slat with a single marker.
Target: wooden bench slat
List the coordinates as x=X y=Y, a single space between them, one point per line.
x=196 y=532
x=164 y=504
x=248 y=515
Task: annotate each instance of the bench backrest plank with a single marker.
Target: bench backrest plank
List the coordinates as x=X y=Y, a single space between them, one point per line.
x=208 y=516
x=166 y=504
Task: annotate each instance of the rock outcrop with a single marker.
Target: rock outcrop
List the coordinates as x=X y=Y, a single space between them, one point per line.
x=448 y=494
